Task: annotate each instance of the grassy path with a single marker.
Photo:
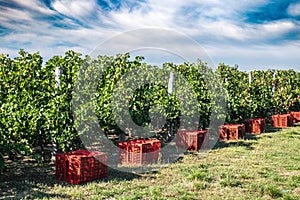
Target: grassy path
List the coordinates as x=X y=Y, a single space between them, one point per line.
x=262 y=167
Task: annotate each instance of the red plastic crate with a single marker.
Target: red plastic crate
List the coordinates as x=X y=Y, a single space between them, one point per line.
x=60 y=162
x=282 y=121
x=154 y=150
x=181 y=139
x=192 y=140
x=123 y=152
x=255 y=126
x=285 y=120
x=232 y=132
x=138 y=152
x=275 y=121
x=81 y=166
x=296 y=116
x=223 y=135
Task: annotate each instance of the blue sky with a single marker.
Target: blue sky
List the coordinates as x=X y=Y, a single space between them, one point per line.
x=256 y=34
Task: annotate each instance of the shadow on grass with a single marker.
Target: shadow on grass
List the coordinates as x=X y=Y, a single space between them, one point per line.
x=26 y=178
x=292 y=134
x=296 y=124
x=29 y=191
x=239 y=143
x=247 y=143
x=270 y=129
x=273 y=130
x=252 y=137
x=115 y=174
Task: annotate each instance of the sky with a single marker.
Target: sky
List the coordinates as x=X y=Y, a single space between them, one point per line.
x=260 y=34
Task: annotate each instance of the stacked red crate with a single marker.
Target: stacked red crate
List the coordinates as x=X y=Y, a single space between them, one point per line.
x=232 y=132
x=296 y=116
x=255 y=126
x=138 y=152
x=192 y=140
x=282 y=121
x=81 y=166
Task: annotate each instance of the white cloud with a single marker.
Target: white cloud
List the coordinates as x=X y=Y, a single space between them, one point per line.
x=23 y=19
x=7 y=14
x=294 y=9
x=75 y=8
x=217 y=25
x=216 y=19
x=255 y=57
x=277 y=28
x=33 y=5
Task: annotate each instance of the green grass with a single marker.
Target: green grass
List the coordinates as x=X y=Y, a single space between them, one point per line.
x=266 y=166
